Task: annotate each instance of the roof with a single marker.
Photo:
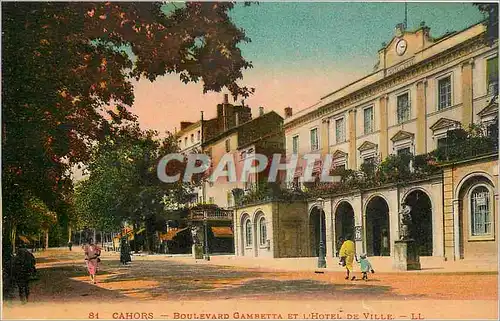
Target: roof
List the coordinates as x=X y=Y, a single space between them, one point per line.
x=171 y=234
x=251 y=123
x=222 y=231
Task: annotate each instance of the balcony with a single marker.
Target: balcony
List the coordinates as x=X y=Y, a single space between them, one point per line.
x=210 y=214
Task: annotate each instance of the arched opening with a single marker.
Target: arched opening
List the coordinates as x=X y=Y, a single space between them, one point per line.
x=421 y=217
x=476 y=219
x=344 y=223
x=377 y=227
x=246 y=236
x=317 y=225
x=260 y=233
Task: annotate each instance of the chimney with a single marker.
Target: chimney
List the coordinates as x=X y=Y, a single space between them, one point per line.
x=288 y=112
x=261 y=111
x=226 y=99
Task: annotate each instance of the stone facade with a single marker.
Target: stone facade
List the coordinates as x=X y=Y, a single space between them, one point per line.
x=459 y=180
x=286 y=230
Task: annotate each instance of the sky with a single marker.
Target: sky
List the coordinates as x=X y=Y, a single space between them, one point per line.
x=300 y=52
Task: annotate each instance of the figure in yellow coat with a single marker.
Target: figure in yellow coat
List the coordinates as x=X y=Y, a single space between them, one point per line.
x=347 y=254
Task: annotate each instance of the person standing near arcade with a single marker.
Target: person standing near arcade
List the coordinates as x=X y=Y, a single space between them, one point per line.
x=348 y=253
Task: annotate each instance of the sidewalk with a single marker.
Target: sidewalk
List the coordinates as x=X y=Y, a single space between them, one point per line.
x=380 y=264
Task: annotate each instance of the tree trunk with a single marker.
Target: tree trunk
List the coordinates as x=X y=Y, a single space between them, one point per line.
x=13 y=238
x=69 y=233
x=46 y=239
x=94 y=238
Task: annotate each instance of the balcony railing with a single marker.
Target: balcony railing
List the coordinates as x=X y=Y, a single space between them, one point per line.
x=211 y=214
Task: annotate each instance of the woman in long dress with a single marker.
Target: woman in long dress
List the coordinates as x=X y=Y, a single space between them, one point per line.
x=348 y=251
x=92 y=253
x=124 y=252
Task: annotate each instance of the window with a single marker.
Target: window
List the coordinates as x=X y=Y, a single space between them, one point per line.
x=368 y=120
x=192 y=138
x=248 y=233
x=404 y=151
x=369 y=160
x=185 y=141
x=180 y=142
x=480 y=211
x=339 y=130
x=228 y=145
x=444 y=92
x=198 y=136
x=314 y=139
x=441 y=142
x=403 y=108
x=492 y=75
x=295 y=144
x=262 y=231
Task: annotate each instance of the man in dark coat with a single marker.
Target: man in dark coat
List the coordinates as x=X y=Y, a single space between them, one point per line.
x=23 y=269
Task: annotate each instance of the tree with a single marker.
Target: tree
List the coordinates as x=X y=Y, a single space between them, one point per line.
x=123 y=183
x=66 y=79
x=490 y=10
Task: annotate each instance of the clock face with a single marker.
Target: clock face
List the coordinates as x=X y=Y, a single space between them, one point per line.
x=401 y=47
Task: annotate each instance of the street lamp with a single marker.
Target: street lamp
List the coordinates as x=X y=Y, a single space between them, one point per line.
x=321 y=254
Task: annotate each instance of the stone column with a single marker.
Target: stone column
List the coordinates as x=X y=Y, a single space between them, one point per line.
x=352 y=139
x=325 y=141
x=456 y=229
x=357 y=207
x=383 y=140
x=467 y=112
x=421 y=136
x=328 y=229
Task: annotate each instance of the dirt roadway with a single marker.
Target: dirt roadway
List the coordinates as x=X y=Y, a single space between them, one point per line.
x=164 y=287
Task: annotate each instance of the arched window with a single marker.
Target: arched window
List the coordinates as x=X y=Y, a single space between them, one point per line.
x=262 y=231
x=248 y=233
x=480 y=210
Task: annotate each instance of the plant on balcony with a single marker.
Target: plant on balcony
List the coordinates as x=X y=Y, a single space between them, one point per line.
x=465 y=144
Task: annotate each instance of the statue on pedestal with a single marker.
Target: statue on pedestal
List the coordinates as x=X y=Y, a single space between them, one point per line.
x=195 y=235
x=405 y=221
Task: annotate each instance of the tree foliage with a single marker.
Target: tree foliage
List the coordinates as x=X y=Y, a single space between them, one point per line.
x=490 y=10
x=67 y=69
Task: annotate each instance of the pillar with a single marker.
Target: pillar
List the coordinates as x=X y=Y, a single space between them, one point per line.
x=352 y=139
x=325 y=141
x=467 y=111
x=383 y=139
x=456 y=229
x=328 y=228
x=421 y=137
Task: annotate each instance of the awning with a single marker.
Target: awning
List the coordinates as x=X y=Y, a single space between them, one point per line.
x=24 y=239
x=222 y=231
x=171 y=234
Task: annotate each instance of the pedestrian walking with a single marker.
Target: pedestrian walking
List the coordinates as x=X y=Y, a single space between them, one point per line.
x=124 y=252
x=365 y=266
x=92 y=253
x=347 y=254
x=24 y=267
x=70 y=245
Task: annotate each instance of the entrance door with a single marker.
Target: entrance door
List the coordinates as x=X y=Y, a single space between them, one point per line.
x=377 y=227
x=344 y=223
x=421 y=216
x=317 y=230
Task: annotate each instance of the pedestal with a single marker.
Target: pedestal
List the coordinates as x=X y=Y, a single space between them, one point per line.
x=406 y=256
x=197 y=251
